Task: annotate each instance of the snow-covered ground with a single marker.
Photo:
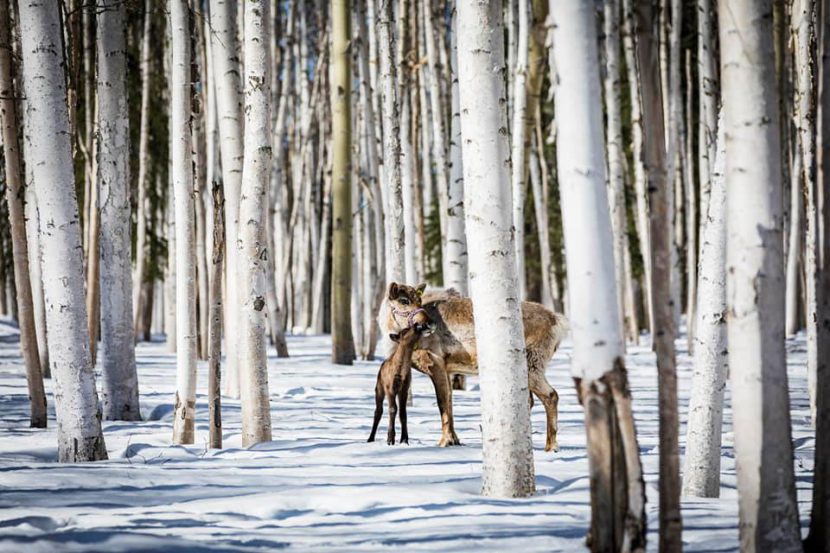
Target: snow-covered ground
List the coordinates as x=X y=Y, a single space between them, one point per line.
x=319 y=486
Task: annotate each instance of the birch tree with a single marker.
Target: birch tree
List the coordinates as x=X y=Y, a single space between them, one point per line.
x=662 y=323
x=598 y=364
x=456 y=251
x=182 y=168
x=143 y=163
x=614 y=145
x=507 y=450
x=33 y=244
x=120 y=380
x=15 y=196
x=50 y=161
x=215 y=338
x=253 y=361
x=760 y=405
x=708 y=98
x=341 y=273
x=225 y=51
x=395 y=247
x=518 y=150
x=701 y=475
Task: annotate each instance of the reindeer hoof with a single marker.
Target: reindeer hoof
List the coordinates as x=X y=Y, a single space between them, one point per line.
x=405 y=441
x=552 y=447
x=450 y=440
x=371 y=439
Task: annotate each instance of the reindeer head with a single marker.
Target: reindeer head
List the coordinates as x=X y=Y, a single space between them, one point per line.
x=410 y=335
x=406 y=310
x=405 y=297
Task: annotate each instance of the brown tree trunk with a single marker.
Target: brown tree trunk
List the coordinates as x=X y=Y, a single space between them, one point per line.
x=215 y=337
x=661 y=300
x=342 y=342
x=819 y=537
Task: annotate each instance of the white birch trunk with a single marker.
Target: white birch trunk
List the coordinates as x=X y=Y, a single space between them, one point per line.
x=253 y=362
x=507 y=453
x=597 y=336
x=701 y=473
x=760 y=404
x=49 y=157
x=708 y=101
x=614 y=144
x=395 y=235
x=35 y=260
x=225 y=50
x=170 y=273
x=452 y=237
x=143 y=162
x=518 y=152
x=120 y=380
x=408 y=189
x=586 y=218
x=540 y=208
x=456 y=232
x=182 y=172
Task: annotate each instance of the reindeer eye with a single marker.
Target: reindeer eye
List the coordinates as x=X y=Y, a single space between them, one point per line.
x=403 y=301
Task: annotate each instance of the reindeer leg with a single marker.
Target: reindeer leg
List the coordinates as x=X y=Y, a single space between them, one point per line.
x=540 y=386
x=443 y=394
x=378 y=410
x=393 y=412
x=402 y=395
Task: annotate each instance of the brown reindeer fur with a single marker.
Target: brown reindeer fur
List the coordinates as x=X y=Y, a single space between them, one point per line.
x=394 y=380
x=451 y=349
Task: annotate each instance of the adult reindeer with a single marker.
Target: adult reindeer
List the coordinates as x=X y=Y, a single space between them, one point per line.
x=451 y=349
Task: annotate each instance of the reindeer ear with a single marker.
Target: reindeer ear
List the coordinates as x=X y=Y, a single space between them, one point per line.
x=393 y=290
x=395 y=337
x=420 y=289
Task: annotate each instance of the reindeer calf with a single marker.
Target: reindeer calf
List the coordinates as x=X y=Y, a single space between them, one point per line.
x=394 y=379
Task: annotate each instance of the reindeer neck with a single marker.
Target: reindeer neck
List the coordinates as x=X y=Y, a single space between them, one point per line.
x=404 y=349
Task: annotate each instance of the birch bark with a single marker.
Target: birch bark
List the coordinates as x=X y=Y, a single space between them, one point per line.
x=143 y=162
x=253 y=253
x=701 y=474
x=518 y=150
x=225 y=50
x=507 y=454
x=456 y=232
x=120 y=380
x=395 y=246
x=760 y=404
x=613 y=140
x=182 y=172
x=49 y=157
x=617 y=519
